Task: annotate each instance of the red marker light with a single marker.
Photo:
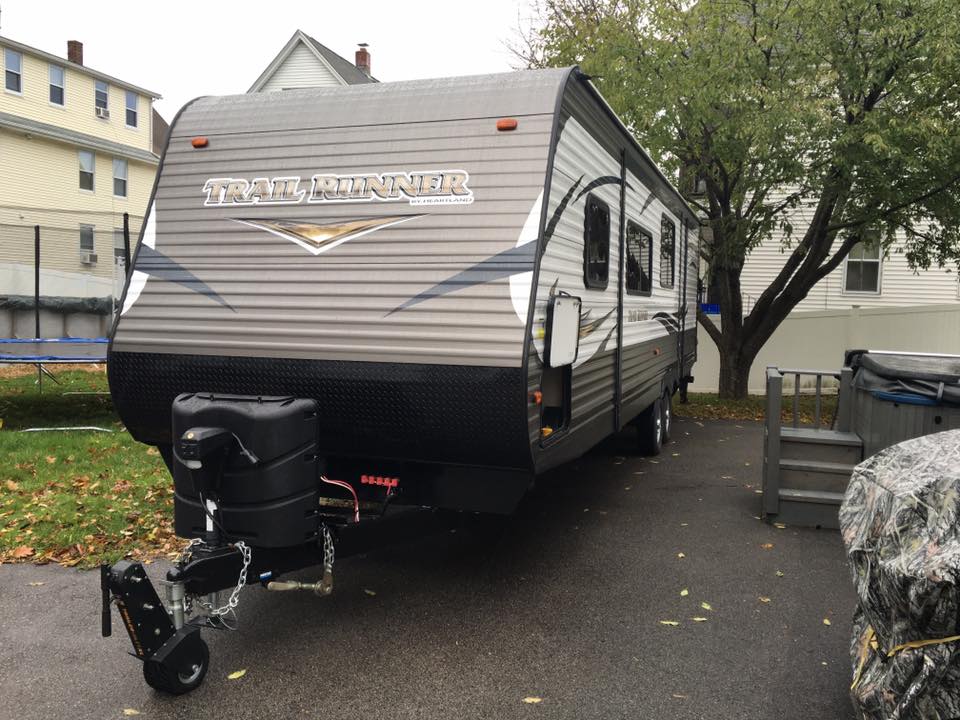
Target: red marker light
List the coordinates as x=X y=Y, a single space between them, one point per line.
x=200 y=142
x=506 y=124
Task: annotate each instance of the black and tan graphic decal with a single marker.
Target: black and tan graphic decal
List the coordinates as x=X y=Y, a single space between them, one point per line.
x=317 y=237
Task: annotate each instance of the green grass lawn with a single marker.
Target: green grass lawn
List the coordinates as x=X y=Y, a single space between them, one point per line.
x=76 y=497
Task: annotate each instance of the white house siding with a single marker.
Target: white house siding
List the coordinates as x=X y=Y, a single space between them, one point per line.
x=302 y=68
x=900 y=286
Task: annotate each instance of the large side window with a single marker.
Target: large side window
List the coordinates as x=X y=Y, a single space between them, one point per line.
x=596 y=243
x=639 y=260
x=668 y=252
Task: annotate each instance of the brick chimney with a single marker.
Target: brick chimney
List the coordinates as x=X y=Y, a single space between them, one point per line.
x=75 y=51
x=363 y=59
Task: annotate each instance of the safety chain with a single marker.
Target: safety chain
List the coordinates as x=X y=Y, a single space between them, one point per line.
x=234 y=598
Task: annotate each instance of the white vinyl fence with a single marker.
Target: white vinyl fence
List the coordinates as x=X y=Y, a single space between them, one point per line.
x=818 y=340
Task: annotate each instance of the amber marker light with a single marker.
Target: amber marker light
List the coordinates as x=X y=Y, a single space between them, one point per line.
x=536 y=397
x=200 y=142
x=506 y=124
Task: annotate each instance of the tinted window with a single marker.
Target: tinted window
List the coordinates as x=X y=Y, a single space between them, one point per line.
x=596 y=243
x=668 y=249
x=639 y=260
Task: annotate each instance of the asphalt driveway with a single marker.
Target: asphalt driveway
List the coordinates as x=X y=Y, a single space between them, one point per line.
x=562 y=602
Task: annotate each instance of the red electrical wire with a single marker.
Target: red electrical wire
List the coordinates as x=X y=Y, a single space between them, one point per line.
x=348 y=486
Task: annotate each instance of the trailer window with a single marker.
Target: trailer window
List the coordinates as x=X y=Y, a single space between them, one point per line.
x=639 y=260
x=596 y=243
x=668 y=249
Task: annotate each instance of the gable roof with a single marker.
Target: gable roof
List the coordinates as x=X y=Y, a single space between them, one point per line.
x=343 y=69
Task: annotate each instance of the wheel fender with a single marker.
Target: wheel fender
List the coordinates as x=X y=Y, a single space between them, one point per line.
x=180 y=650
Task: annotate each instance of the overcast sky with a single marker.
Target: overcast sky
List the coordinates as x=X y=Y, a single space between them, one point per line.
x=186 y=49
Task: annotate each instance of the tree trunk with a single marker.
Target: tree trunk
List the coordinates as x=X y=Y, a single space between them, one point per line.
x=734 y=374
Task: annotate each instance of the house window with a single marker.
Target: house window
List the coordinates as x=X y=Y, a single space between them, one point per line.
x=57 y=82
x=639 y=260
x=668 y=249
x=13 y=71
x=119 y=177
x=86 y=238
x=87 y=165
x=863 y=268
x=596 y=243
x=101 y=94
x=118 y=246
x=131 y=109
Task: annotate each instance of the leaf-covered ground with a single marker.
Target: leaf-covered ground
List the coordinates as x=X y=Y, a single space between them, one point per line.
x=707 y=406
x=81 y=497
x=76 y=497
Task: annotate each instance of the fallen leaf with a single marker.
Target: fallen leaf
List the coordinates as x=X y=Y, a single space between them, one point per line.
x=780 y=526
x=152 y=451
x=130 y=711
x=763 y=599
x=51 y=459
x=532 y=700
x=37 y=583
x=767 y=546
x=826 y=621
x=12 y=486
x=706 y=606
x=684 y=524
x=779 y=573
x=236 y=675
x=671 y=623
x=684 y=592
x=681 y=556
x=371 y=593
x=24 y=551
x=699 y=619
x=678 y=696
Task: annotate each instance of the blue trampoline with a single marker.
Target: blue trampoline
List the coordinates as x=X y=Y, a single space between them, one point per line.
x=39 y=351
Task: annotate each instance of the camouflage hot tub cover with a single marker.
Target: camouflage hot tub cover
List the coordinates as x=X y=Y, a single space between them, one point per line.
x=900 y=522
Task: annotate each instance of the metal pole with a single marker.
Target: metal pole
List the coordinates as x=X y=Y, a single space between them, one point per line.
x=36 y=280
x=126 y=244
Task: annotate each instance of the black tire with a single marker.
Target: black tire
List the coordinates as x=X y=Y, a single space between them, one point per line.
x=666 y=417
x=649 y=429
x=166 y=679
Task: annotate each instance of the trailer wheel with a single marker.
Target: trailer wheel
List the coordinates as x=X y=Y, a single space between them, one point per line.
x=167 y=679
x=650 y=429
x=666 y=423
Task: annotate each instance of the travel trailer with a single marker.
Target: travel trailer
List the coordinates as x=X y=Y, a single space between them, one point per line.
x=420 y=293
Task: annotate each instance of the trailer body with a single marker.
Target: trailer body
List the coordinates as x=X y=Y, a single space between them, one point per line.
x=395 y=252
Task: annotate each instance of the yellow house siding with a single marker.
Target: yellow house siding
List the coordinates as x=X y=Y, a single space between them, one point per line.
x=41 y=187
x=77 y=113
